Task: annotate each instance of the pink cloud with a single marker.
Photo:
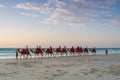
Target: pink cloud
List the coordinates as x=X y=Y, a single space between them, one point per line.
x=78 y=12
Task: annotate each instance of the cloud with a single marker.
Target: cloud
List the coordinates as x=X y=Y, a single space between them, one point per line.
x=97 y=3
x=115 y=21
x=35 y=7
x=1 y=6
x=75 y=12
x=29 y=14
x=28 y=6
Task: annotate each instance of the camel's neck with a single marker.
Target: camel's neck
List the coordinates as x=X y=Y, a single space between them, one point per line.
x=18 y=51
x=32 y=51
x=44 y=50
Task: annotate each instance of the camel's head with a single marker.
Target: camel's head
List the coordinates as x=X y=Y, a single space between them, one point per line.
x=31 y=50
x=18 y=50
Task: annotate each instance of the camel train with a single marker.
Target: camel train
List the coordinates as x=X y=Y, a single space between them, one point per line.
x=53 y=52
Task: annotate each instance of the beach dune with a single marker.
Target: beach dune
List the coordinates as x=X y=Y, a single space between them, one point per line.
x=97 y=67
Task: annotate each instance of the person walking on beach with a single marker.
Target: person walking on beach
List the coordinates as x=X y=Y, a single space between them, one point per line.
x=16 y=55
x=106 y=52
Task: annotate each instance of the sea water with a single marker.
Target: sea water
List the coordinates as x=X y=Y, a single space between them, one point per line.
x=5 y=52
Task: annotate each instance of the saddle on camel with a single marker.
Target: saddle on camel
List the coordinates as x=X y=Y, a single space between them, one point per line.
x=38 y=50
x=64 y=50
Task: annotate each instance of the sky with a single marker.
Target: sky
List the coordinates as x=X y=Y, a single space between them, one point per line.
x=59 y=22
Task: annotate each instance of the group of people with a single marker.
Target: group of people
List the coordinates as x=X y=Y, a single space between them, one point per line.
x=38 y=49
x=24 y=50
x=72 y=49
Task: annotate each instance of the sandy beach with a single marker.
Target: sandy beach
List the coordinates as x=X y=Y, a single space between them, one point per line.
x=97 y=67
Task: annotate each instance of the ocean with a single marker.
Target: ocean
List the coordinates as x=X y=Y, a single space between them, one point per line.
x=11 y=51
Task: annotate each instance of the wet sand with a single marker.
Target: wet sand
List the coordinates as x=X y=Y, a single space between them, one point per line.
x=97 y=67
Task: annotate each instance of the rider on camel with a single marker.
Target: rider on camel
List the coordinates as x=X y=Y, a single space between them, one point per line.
x=25 y=50
x=38 y=49
x=64 y=49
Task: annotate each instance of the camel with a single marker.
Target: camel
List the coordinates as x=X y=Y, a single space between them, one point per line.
x=93 y=50
x=85 y=50
x=37 y=52
x=49 y=51
x=64 y=50
x=23 y=53
x=79 y=51
x=72 y=51
x=58 y=50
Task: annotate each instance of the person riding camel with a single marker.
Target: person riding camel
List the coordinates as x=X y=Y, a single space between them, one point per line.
x=58 y=49
x=64 y=49
x=78 y=49
x=26 y=49
x=51 y=49
x=38 y=49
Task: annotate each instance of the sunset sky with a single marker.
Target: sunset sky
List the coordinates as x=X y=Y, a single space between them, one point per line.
x=59 y=22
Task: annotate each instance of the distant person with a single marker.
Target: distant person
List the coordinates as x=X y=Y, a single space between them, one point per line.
x=37 y=49
x=93 y=50
x=106 y=52
x=16 y=55
x=51 y=49
x=26 y=49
